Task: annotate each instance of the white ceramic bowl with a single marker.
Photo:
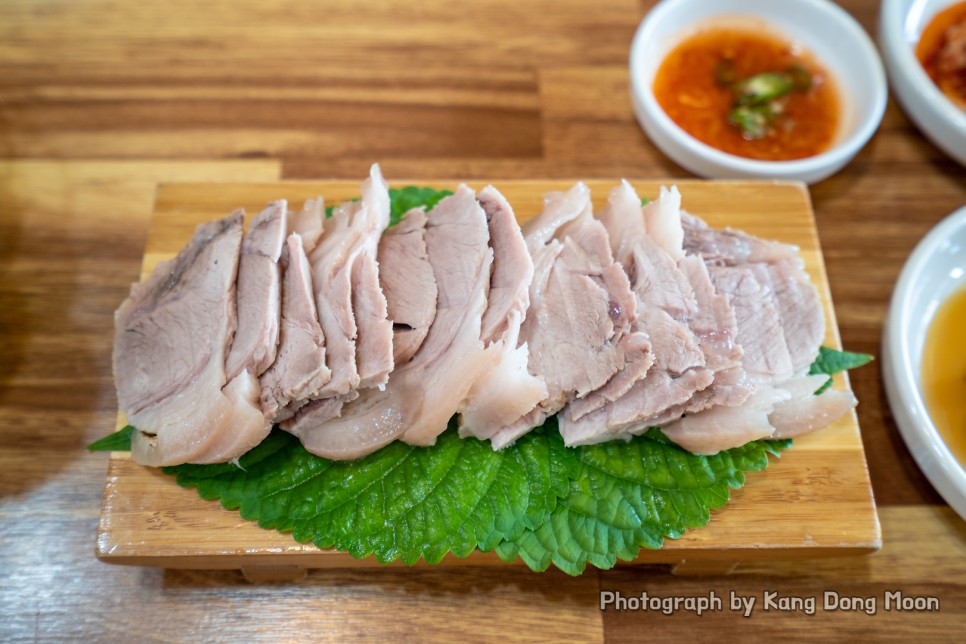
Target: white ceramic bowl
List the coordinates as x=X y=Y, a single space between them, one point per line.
x=829 y=33
x=901 y=23
x=936 y=268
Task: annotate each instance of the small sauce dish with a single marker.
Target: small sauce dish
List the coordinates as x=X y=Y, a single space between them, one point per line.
x=935 y=270
x=826 y=32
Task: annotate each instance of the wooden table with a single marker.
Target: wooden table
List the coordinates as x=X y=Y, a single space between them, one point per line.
x=100 y=101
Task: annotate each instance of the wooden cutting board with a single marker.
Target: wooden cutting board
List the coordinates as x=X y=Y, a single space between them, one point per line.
x=815 y=501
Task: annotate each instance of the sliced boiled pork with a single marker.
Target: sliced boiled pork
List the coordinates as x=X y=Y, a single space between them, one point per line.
x=765 y=353
x=707 y=313
x=374 y=340
x=425 y=392
x=406 y=277
x=351 y=335
x=625 y=225
x=781 y=410
x=804 y=412
x=258 y=293
x=308 y=223
x=650 y=252
x=723 y=427
x=331 y=263
x=780 y=327
x=780 y=318
x=581 y=307
x=350 y=303
x=299 y=371
x=172 y=336
x=507 y=391
x=715 y=325
x=509 y=292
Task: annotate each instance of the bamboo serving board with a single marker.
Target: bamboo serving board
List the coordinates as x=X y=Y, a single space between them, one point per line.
x=815 y=501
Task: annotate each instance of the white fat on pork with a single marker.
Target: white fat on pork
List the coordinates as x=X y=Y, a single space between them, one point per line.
x=624 y=220
x=722 y=427
x=773 y=411
x=662 y=219
x=506 y=392
x=308 y=223
x=245 y=431
x=805 y=412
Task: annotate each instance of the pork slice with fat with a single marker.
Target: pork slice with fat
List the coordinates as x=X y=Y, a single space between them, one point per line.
x=666 y=305
x=662 y=219
x=800 y=311
x=779 y=328
x=407 y=281
x=638 y=360
x=765 y=355
x=350 y=303
x=331 y=263
x=781 y=279
x=559 y=209
x=508 y=390
x=453 y=356
x=624 y=222
x=171 y=339
x=723 y=427
x=578 y=316
x=512 y=273
x=804 y=412
x=772 y=411
x=258 y=293
x=727 y=247
x=425 y=392
x=714 y=324
x=308 y=223
x=299 y=371
x=374 y=340
x=631 y=414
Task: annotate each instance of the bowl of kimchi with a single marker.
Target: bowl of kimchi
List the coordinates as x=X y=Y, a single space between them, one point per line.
x=920 y=35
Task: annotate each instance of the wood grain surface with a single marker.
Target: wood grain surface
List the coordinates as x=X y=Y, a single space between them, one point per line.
x=101 y=100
